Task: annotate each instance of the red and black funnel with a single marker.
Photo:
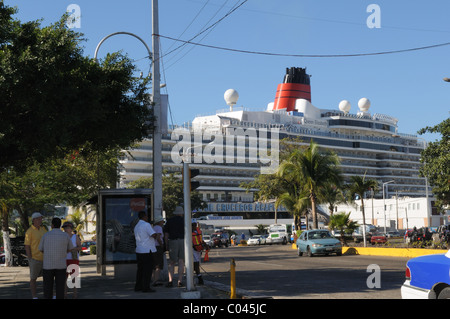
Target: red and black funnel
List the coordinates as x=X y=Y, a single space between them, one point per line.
x=296 y=85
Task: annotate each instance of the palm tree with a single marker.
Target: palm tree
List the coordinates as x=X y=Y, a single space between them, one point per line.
x=312 y=171
x=332 y=195
x=295 y=203
x=359 y=186
x=77 y=217
x=343 y=223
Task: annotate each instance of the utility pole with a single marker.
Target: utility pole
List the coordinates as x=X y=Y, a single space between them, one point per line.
x=156 y=96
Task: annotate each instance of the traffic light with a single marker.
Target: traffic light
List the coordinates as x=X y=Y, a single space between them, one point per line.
x=192 y=174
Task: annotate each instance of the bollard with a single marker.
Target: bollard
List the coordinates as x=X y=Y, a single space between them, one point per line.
x=233 y=279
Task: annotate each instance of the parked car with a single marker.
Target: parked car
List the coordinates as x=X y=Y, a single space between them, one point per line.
x=427 y=277
x=220 y=239
x=264 y=239
x=85 y=247
x=392 y=234
x=254 y=240
x=318 y=241
x=207 y=240
x=378 y=238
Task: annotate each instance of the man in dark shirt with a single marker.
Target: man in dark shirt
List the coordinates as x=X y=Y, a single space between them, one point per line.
x=174 y=236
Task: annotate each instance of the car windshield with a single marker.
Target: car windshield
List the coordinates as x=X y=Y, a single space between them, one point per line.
x=319 y=235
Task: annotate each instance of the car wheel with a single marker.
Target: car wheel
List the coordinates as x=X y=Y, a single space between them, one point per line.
x=299 y=252
x=308 y=252
x=444 y=294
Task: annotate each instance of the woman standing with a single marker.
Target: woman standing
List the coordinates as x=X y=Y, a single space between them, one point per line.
x=73 y=257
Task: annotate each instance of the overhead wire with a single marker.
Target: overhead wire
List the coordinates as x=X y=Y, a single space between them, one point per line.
x=208 y=28
x=184 y=44
x=308 y=55
x=205 y=29
x=189 y=25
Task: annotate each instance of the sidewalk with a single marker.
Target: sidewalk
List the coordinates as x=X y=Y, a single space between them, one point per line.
x=14 y=284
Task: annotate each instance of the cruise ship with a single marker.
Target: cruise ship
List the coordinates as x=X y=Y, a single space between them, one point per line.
x=367 y=144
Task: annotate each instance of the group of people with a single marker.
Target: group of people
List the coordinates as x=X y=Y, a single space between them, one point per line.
x=153 y=242
x=49 y=255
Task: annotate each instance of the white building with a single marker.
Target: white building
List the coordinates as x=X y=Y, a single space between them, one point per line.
x=396 y=212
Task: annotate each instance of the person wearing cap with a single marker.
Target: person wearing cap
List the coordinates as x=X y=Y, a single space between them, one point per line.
x=35 y=257
x=158 y=224
x=174 y=238
x=73 y=257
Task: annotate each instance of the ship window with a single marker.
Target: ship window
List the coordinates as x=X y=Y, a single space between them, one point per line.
x=346 y=122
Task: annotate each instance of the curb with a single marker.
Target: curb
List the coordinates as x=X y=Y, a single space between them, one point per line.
x=390 y=252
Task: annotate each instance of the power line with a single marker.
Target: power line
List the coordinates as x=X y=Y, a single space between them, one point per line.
x=191 y=48
x=206 y=29
x=307 y=55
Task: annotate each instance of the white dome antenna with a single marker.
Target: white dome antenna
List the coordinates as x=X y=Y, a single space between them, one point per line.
x=364 y=105
x=231 y=96
x=345 y=106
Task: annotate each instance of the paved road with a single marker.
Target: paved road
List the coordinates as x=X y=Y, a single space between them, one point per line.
x=278 y=272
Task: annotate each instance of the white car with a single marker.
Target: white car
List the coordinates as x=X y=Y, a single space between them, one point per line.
x=207 y=240
x=254 y=240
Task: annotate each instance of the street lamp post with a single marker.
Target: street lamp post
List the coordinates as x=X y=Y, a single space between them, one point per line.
x=384 y=205
x=102 y=268
x=156 y=95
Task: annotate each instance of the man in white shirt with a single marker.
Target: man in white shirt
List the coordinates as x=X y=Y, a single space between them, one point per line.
x=145 y=248
x=55 y=245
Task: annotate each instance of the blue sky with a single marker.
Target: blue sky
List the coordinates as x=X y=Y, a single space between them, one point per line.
x=407 y=86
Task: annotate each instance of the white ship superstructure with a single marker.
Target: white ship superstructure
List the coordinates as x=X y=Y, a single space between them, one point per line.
x=367 y=144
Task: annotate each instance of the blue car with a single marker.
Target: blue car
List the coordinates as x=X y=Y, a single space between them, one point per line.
x=318 y=241
x=427 y=277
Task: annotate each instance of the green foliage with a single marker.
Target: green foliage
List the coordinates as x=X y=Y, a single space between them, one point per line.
x=343 y=223
x=308 y=172
x=436 y=159
x=55 y=100
x=261 y=229
x=359 y=186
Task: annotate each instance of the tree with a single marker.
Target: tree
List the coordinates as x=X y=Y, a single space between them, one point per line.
x=436 y=159
x=55 y=100
x=297 y=204
x=359 y=186
x=313 y=170
x=77 y=218
x=268 y=188
x=343 y=223
x=332 y=195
